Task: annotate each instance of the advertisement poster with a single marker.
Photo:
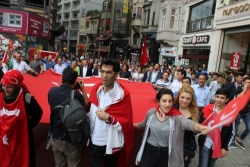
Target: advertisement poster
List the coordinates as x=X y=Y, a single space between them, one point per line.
x=235 y=61
x=38 y=26
x=14 y=22
x=35 y=43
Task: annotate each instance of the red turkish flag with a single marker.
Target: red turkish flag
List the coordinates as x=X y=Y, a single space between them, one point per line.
x=231 y=110
x=47 y=53
x=215 y=133
x=144 y=55
x=5 y=58
x=141 y=93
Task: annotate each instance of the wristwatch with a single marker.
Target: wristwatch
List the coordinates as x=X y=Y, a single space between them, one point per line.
x=108 y=121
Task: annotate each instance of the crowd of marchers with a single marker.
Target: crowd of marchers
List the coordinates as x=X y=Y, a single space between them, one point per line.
x=186 y=98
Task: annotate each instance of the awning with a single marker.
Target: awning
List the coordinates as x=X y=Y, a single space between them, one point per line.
x=102 y=50
x=103 y=38
x=168 y=51
x=237 y=30
x=196 y=47
x=81 y=46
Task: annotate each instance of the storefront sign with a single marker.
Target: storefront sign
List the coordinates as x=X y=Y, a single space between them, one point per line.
x=204 y=39
x=6 y=27
x=236 y=9
x=38 y=26
x=168 y=51
x=235 y=61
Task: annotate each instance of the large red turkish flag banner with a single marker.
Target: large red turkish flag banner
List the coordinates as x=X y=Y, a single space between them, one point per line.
x=142 y=94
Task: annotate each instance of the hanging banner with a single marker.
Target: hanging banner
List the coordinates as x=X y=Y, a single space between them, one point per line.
x=235 y=61
x=125 y=7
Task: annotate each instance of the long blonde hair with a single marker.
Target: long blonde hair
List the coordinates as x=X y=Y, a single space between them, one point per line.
x=193 y=109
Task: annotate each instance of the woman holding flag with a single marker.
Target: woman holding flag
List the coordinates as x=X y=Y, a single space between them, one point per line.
x=162 y=143
x=215 y=145
x=19 y=113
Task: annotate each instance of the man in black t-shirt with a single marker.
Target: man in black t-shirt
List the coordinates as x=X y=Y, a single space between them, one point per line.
x=57 y=96
x=243 y=114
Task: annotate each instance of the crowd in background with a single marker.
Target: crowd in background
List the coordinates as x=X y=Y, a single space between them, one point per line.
x=195 y=90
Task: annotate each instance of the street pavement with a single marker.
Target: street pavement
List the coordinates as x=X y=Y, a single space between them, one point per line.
x=236 y=157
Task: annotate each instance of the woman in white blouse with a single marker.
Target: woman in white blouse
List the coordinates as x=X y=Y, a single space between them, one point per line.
x=137 y=77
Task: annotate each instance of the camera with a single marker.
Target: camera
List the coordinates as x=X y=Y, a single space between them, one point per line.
x=78 y=85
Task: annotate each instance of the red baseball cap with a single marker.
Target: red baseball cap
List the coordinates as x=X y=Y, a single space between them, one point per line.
x=12 y=78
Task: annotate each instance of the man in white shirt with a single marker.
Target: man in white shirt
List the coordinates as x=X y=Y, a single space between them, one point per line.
x=59 y=67
x=177 y=84
x=22 y=66
x=213 y=87
x=132 y=70
x=155 y=74
x=202 y=92
x=85 y=70
x=111 y=121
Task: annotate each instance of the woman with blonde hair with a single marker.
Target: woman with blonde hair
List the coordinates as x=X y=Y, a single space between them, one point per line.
x=185 y=102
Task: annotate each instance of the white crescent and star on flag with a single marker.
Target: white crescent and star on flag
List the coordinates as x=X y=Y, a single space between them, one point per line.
x=5 y=140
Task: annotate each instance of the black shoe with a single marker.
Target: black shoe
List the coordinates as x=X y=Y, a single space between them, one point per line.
x=233 y=145
x=240 y=144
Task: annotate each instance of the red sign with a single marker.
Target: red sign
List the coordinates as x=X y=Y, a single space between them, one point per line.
x=13 y=21
x=47 y=53
x=235 y=61
x=38 y=26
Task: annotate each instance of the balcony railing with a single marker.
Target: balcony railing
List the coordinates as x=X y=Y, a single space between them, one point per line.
x=200 y=24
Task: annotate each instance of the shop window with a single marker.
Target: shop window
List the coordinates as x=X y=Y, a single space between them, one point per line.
x=46 y=27
x=172 y=19
x=201 y=16
x=1 y=18
x=178 y=18
x=147 y=18
x=137 y=39
x=139 y=10
x=153 y=18
x=163 y=19
x=15 y=20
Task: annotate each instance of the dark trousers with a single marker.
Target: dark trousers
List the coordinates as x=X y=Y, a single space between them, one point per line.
x=154 y=156
x=97 y=157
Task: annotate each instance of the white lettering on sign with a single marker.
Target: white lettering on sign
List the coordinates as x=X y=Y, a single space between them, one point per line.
x=196 y=39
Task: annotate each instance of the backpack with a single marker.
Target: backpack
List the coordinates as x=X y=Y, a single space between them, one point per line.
x=74 y=120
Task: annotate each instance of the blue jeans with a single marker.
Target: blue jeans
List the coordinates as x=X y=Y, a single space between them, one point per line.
x=246 y=119
x=205 y=157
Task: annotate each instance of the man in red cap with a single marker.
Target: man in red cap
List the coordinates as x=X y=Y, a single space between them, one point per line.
x=19 y=113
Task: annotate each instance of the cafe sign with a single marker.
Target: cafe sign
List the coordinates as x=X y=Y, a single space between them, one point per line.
x=204 y=39
x=236 y=9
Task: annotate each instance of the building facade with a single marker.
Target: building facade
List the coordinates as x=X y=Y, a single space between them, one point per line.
x=69 y=13
x=46 y=9
x=169 y=29
x=150 y=21
x=134 y=47
x=197 y=41
x=232 y=23
x=23 y=31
